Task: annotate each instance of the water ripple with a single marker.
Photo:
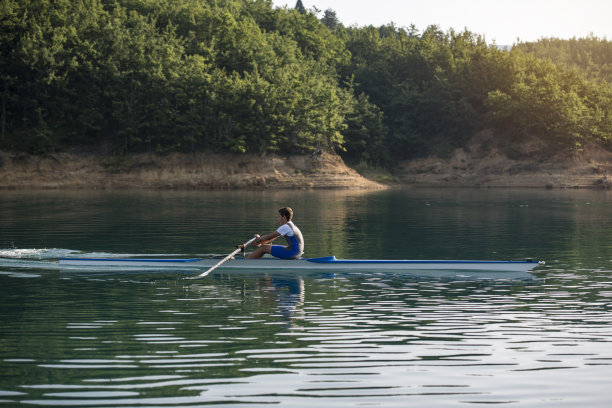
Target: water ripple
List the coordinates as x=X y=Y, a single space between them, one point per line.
x=343 y=340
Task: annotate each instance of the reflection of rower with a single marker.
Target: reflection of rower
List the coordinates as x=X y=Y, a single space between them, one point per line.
x=290 y=292
x=286 y=293
x=287 y=229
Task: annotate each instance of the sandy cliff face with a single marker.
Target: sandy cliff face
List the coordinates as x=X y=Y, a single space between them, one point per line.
x=485 y=162
x=177 y=171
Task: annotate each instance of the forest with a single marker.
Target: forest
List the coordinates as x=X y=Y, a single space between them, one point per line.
x=123 y=76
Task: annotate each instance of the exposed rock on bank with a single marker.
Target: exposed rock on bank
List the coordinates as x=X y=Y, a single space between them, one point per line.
x=487 y=162
x=177 y=171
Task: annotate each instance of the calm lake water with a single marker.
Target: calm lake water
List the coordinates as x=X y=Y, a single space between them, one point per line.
x=153 y=339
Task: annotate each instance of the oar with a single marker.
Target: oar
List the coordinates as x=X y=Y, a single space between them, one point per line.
x=221 y=262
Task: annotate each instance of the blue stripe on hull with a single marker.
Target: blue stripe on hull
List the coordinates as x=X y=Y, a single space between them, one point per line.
x=333 y=260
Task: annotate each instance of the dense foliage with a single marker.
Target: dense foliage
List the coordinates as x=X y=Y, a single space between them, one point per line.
x=591 y=56
x=437 y=89
x=243 y=76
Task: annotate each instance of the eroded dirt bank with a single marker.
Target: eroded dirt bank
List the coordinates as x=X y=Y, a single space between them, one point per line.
x=485 y=162
x=177 y=171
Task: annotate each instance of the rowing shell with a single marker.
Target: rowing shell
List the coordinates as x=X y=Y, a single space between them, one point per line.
x=325 y=263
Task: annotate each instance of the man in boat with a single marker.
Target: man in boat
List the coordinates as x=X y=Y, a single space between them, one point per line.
x=295 y=242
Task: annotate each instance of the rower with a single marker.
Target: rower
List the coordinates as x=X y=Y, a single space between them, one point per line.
x=295 y=242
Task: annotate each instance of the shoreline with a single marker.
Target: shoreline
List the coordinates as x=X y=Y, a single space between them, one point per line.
x=464 y=168
x=173 y=171
x=483 y=162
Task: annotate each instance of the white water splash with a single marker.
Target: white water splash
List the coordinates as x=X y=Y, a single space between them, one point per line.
x=35 y=253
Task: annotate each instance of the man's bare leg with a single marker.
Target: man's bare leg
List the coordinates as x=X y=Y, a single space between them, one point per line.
x=260 y=251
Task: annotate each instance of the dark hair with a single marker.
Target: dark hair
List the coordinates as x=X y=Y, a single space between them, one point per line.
x=286 y=212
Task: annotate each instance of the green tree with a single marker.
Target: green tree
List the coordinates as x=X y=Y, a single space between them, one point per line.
x=366 y=133
x=546 y=100
x=300 y=7
x=330 y=19
x=243 y=76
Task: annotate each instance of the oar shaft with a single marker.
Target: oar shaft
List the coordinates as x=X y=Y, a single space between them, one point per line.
x=221 y=262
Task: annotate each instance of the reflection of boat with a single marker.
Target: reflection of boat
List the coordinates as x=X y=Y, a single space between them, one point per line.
x=329 y=263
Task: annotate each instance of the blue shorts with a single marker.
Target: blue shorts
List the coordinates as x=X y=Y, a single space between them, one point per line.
x=282 y=252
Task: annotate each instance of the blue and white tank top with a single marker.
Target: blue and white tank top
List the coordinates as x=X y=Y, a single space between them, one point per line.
x=294 y=237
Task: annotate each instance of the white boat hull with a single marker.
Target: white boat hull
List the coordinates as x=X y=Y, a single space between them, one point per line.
x=326 y=263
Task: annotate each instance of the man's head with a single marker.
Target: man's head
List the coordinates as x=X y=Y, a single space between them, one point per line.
x=286 y=212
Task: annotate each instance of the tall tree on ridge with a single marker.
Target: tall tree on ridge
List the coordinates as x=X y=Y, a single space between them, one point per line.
x=300 y=7
x=330 y=19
